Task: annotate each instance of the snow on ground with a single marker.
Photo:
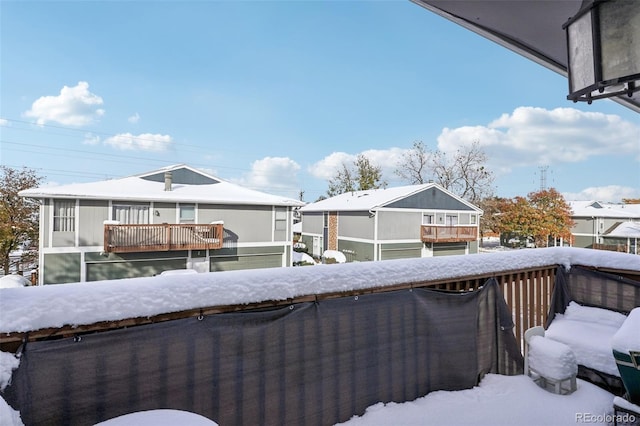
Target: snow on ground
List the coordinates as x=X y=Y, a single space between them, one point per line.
x=13 y=281
x=36 y=307
x=9 y=416
x=159 y=418
x=498 y=400
x=298 y=257
x=8 y=363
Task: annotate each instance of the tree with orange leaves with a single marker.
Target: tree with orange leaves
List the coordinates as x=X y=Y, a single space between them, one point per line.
x=543 y=216
x=554 y=215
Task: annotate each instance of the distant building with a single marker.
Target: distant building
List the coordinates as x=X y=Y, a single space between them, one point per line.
x=392 y=223
x=172 y=218
x=606 y=225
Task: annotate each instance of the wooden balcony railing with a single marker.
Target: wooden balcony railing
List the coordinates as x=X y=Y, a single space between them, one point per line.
x=448 y=234
x=162 y=237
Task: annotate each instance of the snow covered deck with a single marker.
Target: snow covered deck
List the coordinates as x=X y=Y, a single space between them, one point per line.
x=253 y=363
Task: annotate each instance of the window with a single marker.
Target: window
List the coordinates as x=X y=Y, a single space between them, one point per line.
x=130 y=214
x=452 y=220
x=281 y=220
x=187 y=213
x=473 y=219
x=64 y=215
x=428 y=219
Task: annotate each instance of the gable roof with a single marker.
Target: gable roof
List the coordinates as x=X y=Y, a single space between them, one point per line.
x=624 y=230
x=189 y=185
x=375 y=199
x=604 y=210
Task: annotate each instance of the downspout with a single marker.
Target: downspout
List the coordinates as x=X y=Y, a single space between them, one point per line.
x=41 y=239
x=376 y=248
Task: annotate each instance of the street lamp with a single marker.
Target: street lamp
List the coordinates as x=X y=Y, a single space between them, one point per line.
x=603 y=45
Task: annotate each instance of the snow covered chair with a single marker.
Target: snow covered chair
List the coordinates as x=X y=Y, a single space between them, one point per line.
x=551 y=364
x=528 y=334
x=626 y=351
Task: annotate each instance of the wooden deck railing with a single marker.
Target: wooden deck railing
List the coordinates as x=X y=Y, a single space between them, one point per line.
x=448 y=234
x=526 y=291
x=162 y=237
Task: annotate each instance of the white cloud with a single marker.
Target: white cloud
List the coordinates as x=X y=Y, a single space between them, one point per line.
x=134 y=118
x=4 y=122
x=386 y=159
x=609 y=193
x=327 y=167
x=91 y=139
x=74 y=106
x=536 y=136
x=274 y=175
x=142 y=142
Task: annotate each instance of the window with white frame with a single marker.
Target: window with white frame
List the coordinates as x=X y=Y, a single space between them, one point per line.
x=131 y=214
x=473 y=219
x=452 y=219
x=64 y=215
x=428 y=219
x=281 y=219
x=187 y=213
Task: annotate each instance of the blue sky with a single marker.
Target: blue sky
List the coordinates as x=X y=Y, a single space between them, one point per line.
x=275 y=95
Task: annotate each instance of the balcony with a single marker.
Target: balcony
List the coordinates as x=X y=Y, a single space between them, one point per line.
x=162 y=237
x=448 y=234
x=240 y=347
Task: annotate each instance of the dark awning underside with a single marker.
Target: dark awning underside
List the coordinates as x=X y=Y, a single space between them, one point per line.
x=532 y=28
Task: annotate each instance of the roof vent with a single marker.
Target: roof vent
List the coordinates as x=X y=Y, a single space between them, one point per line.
x=168 y=178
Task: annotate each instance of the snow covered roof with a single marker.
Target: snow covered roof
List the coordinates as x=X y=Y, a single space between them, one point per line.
x=608 y=210
x=195 y=187
x=624 y=230
x=33 y=308
x=374 y=199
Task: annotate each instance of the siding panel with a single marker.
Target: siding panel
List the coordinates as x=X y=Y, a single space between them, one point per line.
x=93 y=213
x=241 y=223
x=399 y=225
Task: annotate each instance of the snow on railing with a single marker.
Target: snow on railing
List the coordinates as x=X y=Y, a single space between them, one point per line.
x=526 y=278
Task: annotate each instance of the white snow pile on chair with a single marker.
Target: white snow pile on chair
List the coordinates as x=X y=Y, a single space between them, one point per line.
x=551 y=359
x=627 y=338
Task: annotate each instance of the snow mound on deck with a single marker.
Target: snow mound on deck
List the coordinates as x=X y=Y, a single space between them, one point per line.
x=627 y=338
x=577 y=312
x=497 y=400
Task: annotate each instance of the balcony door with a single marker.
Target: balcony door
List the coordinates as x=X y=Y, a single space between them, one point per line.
x=131 y=214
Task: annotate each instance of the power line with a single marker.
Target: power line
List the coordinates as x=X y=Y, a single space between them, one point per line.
x=32 y=127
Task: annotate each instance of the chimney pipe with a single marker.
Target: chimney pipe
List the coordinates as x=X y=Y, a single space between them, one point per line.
x=168 y=178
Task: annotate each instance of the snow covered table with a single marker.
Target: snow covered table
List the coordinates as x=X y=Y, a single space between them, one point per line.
x=552 y=364
x=588 y=332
